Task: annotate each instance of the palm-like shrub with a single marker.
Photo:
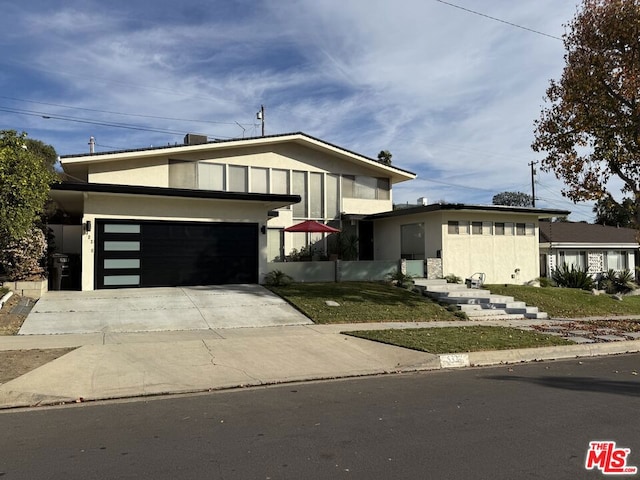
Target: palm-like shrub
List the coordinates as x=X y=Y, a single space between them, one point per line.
x=617 y=282
x=572 y=277
x=277 y=278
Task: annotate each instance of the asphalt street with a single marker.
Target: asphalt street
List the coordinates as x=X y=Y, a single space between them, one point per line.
x=521 y=421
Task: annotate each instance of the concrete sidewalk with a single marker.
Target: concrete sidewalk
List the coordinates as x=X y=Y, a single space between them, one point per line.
x=118 y=365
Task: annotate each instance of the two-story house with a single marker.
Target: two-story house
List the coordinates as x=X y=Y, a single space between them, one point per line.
x=210 y=212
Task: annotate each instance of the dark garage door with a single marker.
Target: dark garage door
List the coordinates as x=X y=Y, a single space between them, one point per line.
x=154 y=254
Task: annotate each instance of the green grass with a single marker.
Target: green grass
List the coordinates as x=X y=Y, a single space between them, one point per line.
x=460 y=339
x=569 y=302
x=361 y=302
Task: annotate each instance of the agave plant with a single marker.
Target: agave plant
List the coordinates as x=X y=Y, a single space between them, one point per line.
x=618 y=282
x=572 y=277
x=277 y=278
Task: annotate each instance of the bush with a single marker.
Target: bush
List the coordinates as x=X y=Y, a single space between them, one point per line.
x=453 y=279
x=21 y=258
x=614 y=282
x=572 y=277
x=277 y=278
x=545 y=282
x=402 y=280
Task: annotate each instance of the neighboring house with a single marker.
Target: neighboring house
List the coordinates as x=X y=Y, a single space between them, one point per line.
x=596 y=248
x=457 y=239
x=211 y=212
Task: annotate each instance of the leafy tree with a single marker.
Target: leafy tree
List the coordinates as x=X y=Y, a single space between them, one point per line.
x=514 y=199
x=617 y=214
x=385 y=157
x=25 y=177
x=590 y=130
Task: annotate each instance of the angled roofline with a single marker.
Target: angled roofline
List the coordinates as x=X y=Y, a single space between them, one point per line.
x=435 y=207
x=173 y=192
x=279 y=138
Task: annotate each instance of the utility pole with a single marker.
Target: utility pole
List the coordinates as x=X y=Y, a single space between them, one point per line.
x=260 y=116
x=533 y=184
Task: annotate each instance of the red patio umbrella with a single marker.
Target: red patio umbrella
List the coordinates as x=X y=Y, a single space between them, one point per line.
x=311 y=226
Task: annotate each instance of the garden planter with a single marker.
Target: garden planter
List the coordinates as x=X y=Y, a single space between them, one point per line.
x=28 y=288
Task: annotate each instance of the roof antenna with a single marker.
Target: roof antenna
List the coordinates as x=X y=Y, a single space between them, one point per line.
x=243 y=129
x=92 y=145
x=260 y=116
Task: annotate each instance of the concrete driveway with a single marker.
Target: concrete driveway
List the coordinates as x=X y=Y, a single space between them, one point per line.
x=157 y=309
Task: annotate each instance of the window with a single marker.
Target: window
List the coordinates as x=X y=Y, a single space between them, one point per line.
x=182 y=174
x=574 y=258
x=487 y=228
x=616 y=260
x=331 y=192
x=476 y=228
x=499 y=228
x=412 y=241
x=237 y=178
x=210 y=176
x=316 y=207
x=508 y=228
x=463 y=228
x=453 y=228
x=520 y=229
x=383 y=190
x=299 y=181
x=279 y=181
x=360 y=186
x=259 y=180
x=530 y=229
x=365 y=187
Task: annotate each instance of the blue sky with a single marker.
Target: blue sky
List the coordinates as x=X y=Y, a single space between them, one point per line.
x=451 y=94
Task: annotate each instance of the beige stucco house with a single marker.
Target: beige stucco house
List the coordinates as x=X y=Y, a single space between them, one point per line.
x=461 y=240
x=209 y=212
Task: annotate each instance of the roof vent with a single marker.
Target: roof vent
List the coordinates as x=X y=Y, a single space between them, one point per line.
x=193 y=139
x=423 y=201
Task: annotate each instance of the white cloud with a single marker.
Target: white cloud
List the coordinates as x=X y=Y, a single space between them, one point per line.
x=451 y=94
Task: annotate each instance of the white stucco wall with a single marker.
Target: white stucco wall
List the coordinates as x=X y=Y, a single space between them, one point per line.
x=150 y=172
x=105 y=206
x=503 y=258
x=154 y=171
x=498 y=256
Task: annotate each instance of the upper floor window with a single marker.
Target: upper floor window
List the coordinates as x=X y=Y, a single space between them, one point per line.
x=182 y=174
x=360 y=186
x=211 y=176
x=237 y=178
x=259 y=180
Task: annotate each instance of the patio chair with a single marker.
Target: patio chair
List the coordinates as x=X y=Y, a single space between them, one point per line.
x=475 y=281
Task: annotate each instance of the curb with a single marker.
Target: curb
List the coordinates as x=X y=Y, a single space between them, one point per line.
x=498 y=357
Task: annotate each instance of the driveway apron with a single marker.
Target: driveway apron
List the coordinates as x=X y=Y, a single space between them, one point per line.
x=158 y=309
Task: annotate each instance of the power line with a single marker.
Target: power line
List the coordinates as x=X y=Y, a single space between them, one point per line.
x=499 y=20
x=121 y=113
x=49 y=116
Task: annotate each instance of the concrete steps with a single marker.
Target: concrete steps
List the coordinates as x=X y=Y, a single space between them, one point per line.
x=477 y=303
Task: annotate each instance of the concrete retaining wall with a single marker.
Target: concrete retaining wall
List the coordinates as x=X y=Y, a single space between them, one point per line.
x=337 y=271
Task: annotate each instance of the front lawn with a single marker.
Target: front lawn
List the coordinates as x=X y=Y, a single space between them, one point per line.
x=361 y=302
x=460 y=339
x=569 y=302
